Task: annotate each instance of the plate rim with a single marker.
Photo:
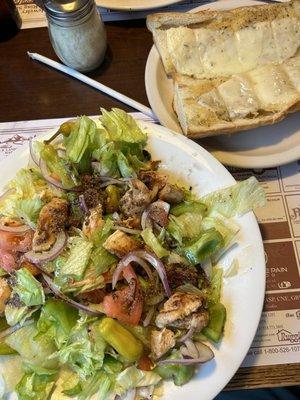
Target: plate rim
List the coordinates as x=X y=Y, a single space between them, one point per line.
x=162 y=3
x=226 y=157
x=215 y=166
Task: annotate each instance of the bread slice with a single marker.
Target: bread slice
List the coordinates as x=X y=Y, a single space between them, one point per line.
x=208 y=44
x=233 y=70
x=244 y=101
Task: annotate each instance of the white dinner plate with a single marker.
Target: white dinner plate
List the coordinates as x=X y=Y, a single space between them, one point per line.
x=134 y=5
x=257 y=148
x=242 y=294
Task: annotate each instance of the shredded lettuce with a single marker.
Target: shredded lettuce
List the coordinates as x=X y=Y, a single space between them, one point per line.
x=228 y=228
x=237 y=199
x=151 y=241
x=126 y=170
x=99 y=385
x=57 y=165
x=71 y=385
x=185 y=226
x=15 y=315
x=215 y=285
x=194 y=207
x=57 y=320
x=181 y=374
x=133 y=377
x=78 y=258
x=108 y=163
x=81 y=353
x=24 y=201
x=208 y=244
x=121 y=126
x=29 y=290
x=35 y=387
x=80 y=139
x=34 y=349
x=28 y=210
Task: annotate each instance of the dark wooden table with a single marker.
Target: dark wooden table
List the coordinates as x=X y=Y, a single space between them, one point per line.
x=29 y=90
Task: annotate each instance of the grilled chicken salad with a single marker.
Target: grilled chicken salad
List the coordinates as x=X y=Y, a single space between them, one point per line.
x=109 y=279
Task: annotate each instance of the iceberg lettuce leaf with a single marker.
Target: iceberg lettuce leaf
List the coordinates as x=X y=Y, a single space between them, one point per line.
x=121 y=126
x=237 y=199
x=57 y=320
x=29 y=290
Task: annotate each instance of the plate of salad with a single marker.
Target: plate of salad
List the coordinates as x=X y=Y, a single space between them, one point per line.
x=131 y=264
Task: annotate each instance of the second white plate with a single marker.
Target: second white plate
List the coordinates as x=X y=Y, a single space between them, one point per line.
x=258 y=148
x=134 y=5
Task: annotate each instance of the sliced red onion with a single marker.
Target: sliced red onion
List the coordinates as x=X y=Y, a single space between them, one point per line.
x=182 y=361
x=125 y=261
x=188 y=334
x=15 y=328
x=48 y=177
x=129 y=395
x=113 y=181
x=197 y=351
x=146 y=221
x=189 y=349
x=152 y=259
x=17 y=230
x=32 y=153
x=82 y=204
x=149 y=316
x=116 y=216
x=58 y=293
x=127 y=230
x=146 y=392
x=205 y=352
x=44 y=256
x=6 y=194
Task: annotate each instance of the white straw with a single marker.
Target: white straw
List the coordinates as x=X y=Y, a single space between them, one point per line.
x=83 y=78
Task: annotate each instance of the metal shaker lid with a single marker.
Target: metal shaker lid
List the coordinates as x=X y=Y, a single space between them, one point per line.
x=63 y=10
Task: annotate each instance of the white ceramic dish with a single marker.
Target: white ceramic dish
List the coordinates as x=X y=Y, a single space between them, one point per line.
x=243 y=294
x=134 y=5
x=258 y=148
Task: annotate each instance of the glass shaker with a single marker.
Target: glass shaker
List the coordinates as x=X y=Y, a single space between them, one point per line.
x=77 y=33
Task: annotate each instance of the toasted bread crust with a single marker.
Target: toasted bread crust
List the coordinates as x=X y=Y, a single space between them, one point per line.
x=184 y=100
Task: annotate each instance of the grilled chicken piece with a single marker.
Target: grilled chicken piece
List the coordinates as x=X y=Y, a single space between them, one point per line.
x=153 y=178
x=119 y=243
x=52 y=220
x=136 y=199
x=93 y=221
x=171 y=194
x=177 y=307
x=197 y=320
x=161 y=342
x=5 y=292
x=179 y=274
x=159 y=212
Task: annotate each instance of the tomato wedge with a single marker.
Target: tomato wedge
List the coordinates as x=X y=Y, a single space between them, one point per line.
x=126 y=305
x=7 y=260
x=15 y=243
x=145 y=363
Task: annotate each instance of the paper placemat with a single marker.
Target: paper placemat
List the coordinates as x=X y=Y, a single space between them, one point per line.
x=277 y=340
